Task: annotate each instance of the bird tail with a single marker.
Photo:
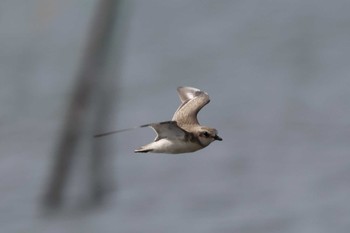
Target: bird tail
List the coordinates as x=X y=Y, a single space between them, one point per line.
x=143 y=150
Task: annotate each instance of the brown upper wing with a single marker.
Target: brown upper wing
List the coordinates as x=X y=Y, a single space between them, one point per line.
x=192 y=100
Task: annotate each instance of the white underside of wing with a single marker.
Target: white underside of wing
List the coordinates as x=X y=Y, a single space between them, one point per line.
x=168 y=130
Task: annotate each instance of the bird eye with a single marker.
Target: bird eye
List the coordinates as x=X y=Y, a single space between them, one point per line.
x=206 y=134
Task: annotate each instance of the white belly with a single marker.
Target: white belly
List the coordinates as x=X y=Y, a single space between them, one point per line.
x=173 y=146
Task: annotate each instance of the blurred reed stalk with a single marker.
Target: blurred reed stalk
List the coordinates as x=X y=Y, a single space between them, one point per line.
x=89 y=97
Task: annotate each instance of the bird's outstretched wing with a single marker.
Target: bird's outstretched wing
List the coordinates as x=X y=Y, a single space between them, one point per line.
x=114 y=132
x=166 y=129
x=192 y=101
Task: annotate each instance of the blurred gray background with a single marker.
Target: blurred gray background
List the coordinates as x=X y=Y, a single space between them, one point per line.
x=278 y=76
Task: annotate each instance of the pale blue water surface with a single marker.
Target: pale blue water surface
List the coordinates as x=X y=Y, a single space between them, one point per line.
x=278 y=76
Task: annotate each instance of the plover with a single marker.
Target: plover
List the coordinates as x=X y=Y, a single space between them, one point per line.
x=183 y=133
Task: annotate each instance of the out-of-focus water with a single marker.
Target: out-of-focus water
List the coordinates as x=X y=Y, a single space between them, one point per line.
x=278 y=76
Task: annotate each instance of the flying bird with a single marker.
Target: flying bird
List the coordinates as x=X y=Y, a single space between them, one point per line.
x=183 y=134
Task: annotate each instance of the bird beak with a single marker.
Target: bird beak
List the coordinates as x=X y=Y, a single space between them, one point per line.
x=217 y=138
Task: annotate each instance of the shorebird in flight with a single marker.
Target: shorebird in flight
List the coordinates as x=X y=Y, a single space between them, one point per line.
x=183 y=133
